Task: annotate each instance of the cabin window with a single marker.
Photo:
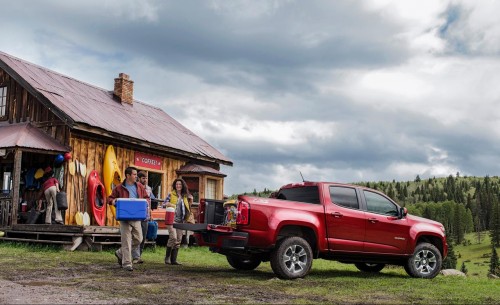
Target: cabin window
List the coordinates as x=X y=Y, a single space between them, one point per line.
x=210 y=192
x=3 y=102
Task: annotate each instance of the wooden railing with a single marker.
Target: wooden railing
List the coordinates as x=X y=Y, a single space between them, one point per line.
x=5 y=212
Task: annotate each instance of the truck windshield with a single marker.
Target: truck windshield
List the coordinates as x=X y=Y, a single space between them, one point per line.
x=307 y=194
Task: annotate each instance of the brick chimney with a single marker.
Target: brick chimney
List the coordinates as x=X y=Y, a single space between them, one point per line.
x=124 y=89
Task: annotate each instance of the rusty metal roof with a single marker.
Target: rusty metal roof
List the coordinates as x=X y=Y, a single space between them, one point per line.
x=25 y=135
x=83 y=103
x=199 y=169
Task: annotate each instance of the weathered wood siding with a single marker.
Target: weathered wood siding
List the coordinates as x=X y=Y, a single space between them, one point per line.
x=24 y=107
x=91 y=153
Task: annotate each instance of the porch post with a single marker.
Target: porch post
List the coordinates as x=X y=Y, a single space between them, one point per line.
x=16 y=182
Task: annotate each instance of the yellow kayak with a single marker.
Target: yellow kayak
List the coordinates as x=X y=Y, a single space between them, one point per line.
x=111 y=173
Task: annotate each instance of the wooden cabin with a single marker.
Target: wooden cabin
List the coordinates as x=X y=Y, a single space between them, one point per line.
x=44 y=114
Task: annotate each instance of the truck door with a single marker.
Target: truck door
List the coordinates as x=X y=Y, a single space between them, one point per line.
x=345 y=221
x=385 y=232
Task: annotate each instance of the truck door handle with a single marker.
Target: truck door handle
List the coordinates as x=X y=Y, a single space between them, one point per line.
x=373 y=220
x=337 y=214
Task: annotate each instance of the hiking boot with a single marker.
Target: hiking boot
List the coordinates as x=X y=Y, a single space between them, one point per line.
x=138 y=261
x=173 y=258
x=118 y=258
x=128 y=268
x=167 y=256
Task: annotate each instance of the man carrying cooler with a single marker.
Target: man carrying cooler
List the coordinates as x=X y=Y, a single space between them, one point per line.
x=130 y=230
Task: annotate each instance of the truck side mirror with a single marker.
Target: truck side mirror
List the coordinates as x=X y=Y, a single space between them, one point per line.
x=403 y=212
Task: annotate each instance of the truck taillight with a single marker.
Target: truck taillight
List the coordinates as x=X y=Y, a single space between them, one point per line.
x=243 y=213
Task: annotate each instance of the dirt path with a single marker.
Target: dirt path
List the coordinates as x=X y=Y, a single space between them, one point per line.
x=153 y=283
x=41 y=293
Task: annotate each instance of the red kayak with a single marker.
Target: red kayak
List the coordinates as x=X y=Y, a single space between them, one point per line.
x=96 y=195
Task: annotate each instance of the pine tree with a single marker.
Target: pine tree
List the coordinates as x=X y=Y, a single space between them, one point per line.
x=494 y=264
x=390 y=193
x=464 y=268
x=450 y=262
x=459 y=223
x=495 y=224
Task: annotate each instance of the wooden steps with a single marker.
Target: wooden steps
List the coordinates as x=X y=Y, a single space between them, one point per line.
x=72 y=238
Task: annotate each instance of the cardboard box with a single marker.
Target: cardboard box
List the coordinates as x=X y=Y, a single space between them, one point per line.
x=131 y=209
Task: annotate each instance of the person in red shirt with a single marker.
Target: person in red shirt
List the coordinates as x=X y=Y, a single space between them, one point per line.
x=130 y=230
x=50 y=188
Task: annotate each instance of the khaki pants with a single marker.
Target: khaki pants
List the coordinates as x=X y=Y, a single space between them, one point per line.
x=174 y=237
x=50 y=196
x=131 y=235
x=137 y=252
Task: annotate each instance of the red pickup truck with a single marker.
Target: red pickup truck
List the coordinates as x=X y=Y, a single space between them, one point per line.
x=303 y=221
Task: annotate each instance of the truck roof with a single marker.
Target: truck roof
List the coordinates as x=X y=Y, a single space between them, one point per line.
x=315 y=183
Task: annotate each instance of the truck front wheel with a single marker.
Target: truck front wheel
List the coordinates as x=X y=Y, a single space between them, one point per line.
x=292 y=258
x=240 y=263
x=425 y=262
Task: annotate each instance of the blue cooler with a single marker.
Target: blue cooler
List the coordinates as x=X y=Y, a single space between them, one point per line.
x=131 y=209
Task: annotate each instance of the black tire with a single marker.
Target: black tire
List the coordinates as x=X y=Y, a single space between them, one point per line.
x=292 y=258
x=240 y=263
x=368 y=267
x=425 y=262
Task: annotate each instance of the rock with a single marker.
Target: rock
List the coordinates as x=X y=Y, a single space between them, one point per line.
x=452 y=272
x=492 y=276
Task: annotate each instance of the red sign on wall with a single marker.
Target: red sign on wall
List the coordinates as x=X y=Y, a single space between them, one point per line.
x=145 y=160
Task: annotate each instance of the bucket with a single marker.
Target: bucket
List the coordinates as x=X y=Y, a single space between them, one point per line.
x=24 y=207
x=169 y=216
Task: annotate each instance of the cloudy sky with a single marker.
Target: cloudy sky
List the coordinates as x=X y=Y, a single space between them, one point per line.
x=341 y=91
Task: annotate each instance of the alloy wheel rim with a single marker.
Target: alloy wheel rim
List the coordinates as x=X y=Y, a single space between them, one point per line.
x=425 y=262
x=295 y=259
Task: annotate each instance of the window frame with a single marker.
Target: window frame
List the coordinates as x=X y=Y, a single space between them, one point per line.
x=207 y=192
x=4 y=101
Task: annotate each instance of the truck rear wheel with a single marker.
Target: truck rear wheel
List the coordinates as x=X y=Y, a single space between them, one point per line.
x=367 y=267
x=292 y=258
x=425 y=262
x=240 y=263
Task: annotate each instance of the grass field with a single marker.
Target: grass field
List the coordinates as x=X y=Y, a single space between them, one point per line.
x=210 y=279
x=475 y=255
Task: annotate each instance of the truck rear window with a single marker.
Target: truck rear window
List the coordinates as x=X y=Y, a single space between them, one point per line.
x=307 y=194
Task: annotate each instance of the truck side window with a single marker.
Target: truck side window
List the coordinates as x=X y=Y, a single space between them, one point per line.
x=344 y=196
x=376 y=203
x=307 y=194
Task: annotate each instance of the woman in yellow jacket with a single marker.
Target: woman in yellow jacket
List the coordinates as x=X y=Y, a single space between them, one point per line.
x=177 y=199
